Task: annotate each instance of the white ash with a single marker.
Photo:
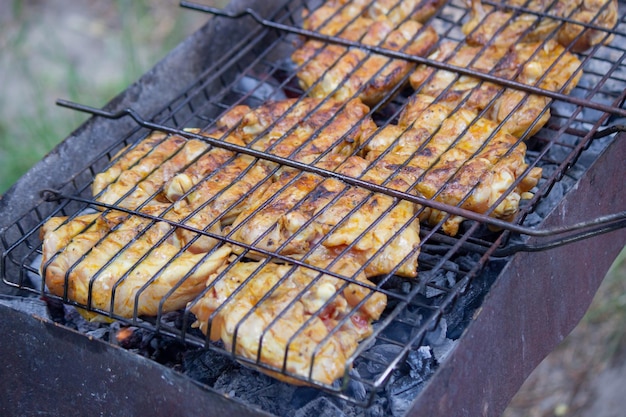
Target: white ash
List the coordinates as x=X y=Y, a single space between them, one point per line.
x=259 y=91
x=255 y=388
x=320 y=407
x=29 y=305
x=403 y=389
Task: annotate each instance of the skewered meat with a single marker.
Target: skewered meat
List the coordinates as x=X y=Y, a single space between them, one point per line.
x=542 y=64
x=397 y=11
x=507 y=27
x=307 y=130
x=331 y=70
x=292 y=316
x=118 y=263
x=308 y=217
x=454 y=158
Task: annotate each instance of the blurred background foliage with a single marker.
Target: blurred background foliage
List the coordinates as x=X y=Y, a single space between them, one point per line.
x=81 y=50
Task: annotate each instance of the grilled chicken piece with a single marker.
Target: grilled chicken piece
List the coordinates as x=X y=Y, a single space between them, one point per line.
x=285 y=312
x=542 y=64
x=211 y=194
x=397 y=11
x=489 y=25
x=118 y=263
x=163 y=167
x=331 y=70
x=454 y=158
x=306 y=130
x=139 y=173
x=186 y=182
x=308 y=217
x=208 y=185
x=219 y=184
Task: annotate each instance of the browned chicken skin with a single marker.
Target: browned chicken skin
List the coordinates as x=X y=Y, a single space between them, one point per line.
x=454 y=158
x=308 y=217
x=541 y=64
x=304 y=129
x=397 y=11
x=294 y=313
x=124 y=262
x=504 y=27
x=139 y=173
x=344 y=73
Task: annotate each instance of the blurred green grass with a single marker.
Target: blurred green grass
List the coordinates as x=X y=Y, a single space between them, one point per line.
x=83 y=51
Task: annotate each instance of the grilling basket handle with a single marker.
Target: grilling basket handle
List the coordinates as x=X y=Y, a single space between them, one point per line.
x=555 y=237
x=560 y=236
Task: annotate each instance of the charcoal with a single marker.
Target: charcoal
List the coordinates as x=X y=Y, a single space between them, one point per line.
x=421 y=362
x=168 y=351
x=438 y=334
x=206 y=366
x=100 y=333
x=433 y=292
x=561 y=108
x=381 y=355
x=56 y=311
x=441 y=278
x=35 y=278
x=377 y=409
x=302 y=396
x=356 y=389
x=402 y=332
x=468 y=262
x=404 y=386
x=260 y=91
x=132 y=339
x=256 y=388
x=73 y=316
x=559 y=152
x=442 y=350
x=589 y=156
x=401 y=394
x=463 y=310
x=533 y=219
x=320 y=407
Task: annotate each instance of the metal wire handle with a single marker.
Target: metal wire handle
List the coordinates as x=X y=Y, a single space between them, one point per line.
x=559 y=235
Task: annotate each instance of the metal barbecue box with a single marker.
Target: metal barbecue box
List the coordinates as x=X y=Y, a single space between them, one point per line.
x=323 y=208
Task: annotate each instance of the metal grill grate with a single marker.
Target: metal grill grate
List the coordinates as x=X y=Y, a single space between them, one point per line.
x=451 y=268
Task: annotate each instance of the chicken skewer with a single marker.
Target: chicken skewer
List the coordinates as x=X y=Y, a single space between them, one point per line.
x=96 y=252
x=139 y=173
x=163 y=167
x=188 y=183
x=305 y=130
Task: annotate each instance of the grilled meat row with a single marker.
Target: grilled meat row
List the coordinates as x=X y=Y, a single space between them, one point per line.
x=278 y=263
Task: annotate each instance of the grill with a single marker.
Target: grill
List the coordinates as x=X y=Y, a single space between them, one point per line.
x=508 y=281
